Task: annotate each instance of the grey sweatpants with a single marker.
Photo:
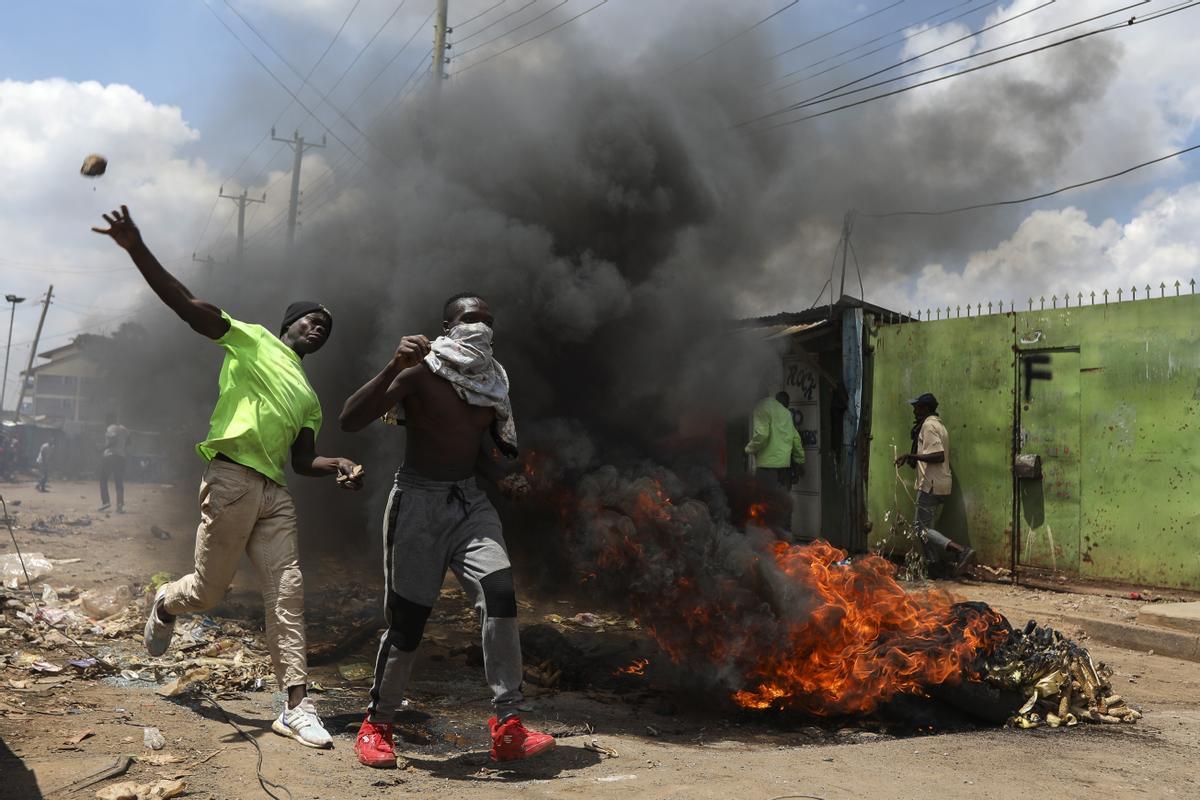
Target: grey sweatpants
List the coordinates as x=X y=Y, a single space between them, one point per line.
x=430 y=526
x=936 y=544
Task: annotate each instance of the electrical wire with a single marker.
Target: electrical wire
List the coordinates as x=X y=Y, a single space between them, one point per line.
x=880 y=38
x=838 y=29
x=1070 y=40
x=831 y=94
x=393 y=59
x=734 y=38
x=324 y=95
x=483 y=13
x=1040 y=196
x=824 y=96
x=511 y=31
x=562 y=24
x=263 y=780
x=495 y=22
x=278 y=80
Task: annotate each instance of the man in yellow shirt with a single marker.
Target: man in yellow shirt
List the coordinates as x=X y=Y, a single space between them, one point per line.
x=775 y=444
x=931 y=456
x=266 y=407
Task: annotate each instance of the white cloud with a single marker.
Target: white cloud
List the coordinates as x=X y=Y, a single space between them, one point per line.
x=1061 y=251
x=46 y=129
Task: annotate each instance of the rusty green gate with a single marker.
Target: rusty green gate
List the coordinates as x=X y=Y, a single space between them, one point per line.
x=1117 y=426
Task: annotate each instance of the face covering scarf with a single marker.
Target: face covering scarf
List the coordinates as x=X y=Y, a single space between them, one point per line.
x=464 y=358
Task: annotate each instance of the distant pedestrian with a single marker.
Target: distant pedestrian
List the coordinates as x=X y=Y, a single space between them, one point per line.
x=776 y=445
x=44 y=457
x=930 y=454
x=112 y=463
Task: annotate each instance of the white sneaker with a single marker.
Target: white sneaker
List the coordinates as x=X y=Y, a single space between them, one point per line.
x=157 y=635
x=302 y=724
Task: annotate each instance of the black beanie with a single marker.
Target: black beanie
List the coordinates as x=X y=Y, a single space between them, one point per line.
x=302 y=308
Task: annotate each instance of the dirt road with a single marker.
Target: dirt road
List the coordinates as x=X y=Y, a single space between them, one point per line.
x=668 y=745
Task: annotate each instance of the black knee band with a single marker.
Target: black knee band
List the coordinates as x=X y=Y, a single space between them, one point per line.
x=408 y=622
x=499 y=597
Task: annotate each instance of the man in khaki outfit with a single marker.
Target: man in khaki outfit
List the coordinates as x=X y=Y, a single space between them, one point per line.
x=931 y=456
x=266 y=407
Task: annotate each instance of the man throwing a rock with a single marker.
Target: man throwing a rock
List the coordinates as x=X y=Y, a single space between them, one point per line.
x=452 y=391
x=266 y=407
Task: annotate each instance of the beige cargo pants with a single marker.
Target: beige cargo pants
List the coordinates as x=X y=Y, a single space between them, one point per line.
x=241 y=511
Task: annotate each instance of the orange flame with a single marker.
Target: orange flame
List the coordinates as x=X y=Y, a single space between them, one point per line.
x=638 y=667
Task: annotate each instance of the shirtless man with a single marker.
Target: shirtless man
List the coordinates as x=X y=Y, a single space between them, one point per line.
x=265 y=409
x=452 y=391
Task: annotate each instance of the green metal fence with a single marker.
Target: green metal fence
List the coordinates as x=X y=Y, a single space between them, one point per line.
x=1117 y=426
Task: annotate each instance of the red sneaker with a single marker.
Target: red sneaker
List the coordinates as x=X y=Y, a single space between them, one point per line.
x=512 y=741
x=373 y=745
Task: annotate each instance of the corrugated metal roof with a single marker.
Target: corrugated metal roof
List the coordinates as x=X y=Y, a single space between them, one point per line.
x=769 y=332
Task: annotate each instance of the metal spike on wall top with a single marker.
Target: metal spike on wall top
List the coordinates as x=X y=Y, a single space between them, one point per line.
x=1134 y=291
x=1193 y=283
x=1079 y=299
x=1031 y=304
x=1177 y=288
x=1162 y=289
x=958 y=311
x=1120 y=294
x=1093 y=297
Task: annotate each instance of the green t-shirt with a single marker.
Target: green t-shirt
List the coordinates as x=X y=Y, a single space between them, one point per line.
x=774 y=442
x=265 y=400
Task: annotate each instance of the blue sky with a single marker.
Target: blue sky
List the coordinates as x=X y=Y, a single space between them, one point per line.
x=198 y=106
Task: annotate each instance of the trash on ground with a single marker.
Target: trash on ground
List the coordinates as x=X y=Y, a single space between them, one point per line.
x=13 y=576
x=159 y=790
x=153 y=739
x=105 y=603
x=357 y=671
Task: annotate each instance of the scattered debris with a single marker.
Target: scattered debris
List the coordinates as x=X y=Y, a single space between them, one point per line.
x=79 y=737
x=118 y=767
x=102 y=603
x=159 y=790
x=159 y=533
x=11 y=570
x=159 y=579
x=153 y=739
x=607 y=752
x=357 y=671
x=1062 y=684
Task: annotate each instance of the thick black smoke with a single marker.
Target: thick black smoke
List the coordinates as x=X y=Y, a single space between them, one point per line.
x=616 y=220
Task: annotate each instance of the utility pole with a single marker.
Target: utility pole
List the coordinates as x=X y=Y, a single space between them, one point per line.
x=440 y=30
x=298 y=147
x=242 y=201
x=847 y=226
x=207 y=261
x=13 y=299
x=37 y=337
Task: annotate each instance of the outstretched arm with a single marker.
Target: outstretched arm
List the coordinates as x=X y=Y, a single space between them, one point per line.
x=387 y=388
x=204 y=318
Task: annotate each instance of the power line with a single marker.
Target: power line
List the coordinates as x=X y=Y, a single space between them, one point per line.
x=278 y=80
x=562 y=24
x=483 y=13
x=881 y=48
x=495 y=22
x=265 y=136
x=393 y=60
x=304 y=81
x=511 y=31
x=1031 y=198
x=735 y=37
x=1119 y=26
x=829 y=33
x=831 y=94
